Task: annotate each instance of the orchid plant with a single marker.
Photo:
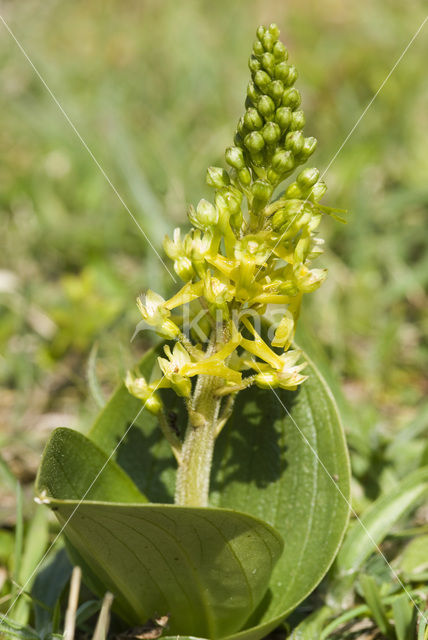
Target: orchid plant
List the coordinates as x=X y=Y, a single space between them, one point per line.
x=246 y=254
x=213 y=489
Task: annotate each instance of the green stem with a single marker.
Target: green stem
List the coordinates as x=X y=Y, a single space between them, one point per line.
x=193 y=474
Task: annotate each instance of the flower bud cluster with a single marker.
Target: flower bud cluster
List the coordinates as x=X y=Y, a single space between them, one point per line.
x=247 y=251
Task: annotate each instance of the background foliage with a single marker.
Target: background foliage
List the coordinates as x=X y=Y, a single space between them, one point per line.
x=155 y=89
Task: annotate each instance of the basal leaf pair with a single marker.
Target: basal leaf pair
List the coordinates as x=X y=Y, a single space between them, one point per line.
x=232 y=570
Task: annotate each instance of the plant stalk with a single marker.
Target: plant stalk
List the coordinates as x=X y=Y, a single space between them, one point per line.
x=193 y=474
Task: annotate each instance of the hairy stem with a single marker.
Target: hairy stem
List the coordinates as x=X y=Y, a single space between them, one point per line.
x=193 y=474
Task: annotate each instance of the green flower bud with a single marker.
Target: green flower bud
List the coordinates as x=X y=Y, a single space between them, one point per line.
x=261 y=190
x=307 y=178
x=297 y=121
x=233 y=200
x=266 y=106
x=279 y=51
x=276 y=90
x=254 y=64
x=252 y=119
x=292 y=75
x=283 y=161
x=282 y=70
x=205 y=215
x=294 y=191
x=318 y=191
x=217 y=177
x=254 y=142
x=308 y=148
x=274 y=31
x=271 y=132
x=252 y=92
x=261 y=79
x=241 y=128
x=268 y=63
x=294 y=141
x=258 y=49
x=268 y=41
x=290 y=210
x=261 y=30
x=244 y=176
x=235 y=157
x=291 y=98
x=283 y=117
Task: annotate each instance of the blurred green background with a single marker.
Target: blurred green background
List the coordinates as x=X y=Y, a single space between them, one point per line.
x=155 y=88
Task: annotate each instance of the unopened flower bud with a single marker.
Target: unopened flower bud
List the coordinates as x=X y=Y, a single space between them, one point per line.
x=291 y=98
x=254 y=64
x=235 y=157
x=308 y=148
x=268 y=41
x=271 y=132
x=252 y=119
x=293 y=191
x=266 y=106
x=258 y=48
x=276 y=90
x=318 y=191
x=261 y=30
x=252 y=92
x=261 y=190
x=297 y=121
x=307 y=178
x=205 y=215
x=274 y=30
x=294 y=142
x=217 y=177
x=282 y=69
x=279 y=51
x=254 y=142
x=283 y=117
x=261 y=80
x=268 y=63
x=292 y=75
x=283 y=161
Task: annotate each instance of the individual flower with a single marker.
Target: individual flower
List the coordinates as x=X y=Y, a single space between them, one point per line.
x=172 y=367
x=139 y=388
x=155 y=314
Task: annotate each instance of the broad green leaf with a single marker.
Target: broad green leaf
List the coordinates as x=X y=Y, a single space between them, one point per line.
x=280 y=459
x=76 y=469
x=208 y=567
x=283 y=459
x=143 y=452
x=288 y=469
